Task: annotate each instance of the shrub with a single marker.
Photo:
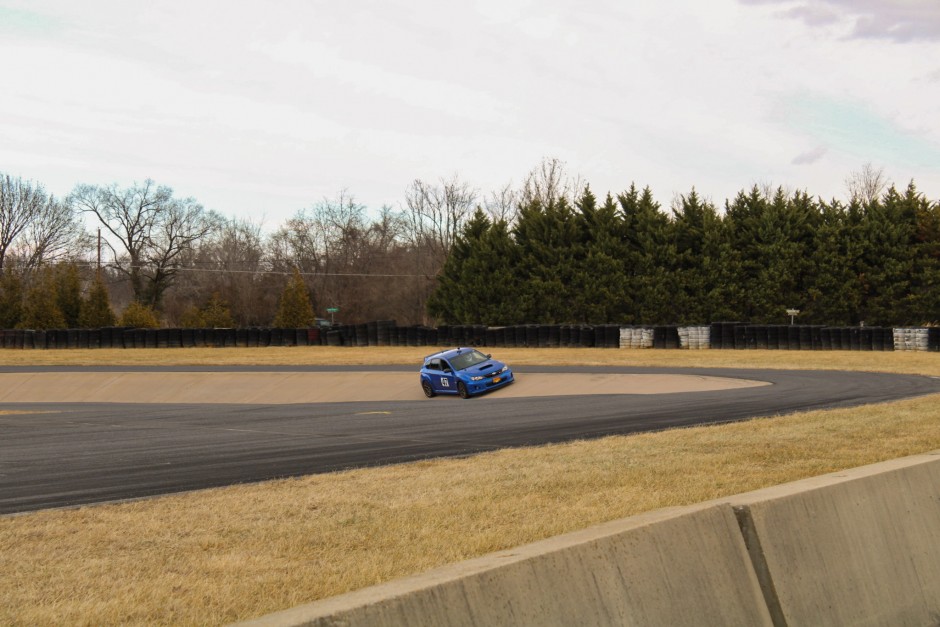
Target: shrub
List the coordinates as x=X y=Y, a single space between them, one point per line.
x=139 y=316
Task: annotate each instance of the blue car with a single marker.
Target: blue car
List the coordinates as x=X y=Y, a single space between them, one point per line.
x=464 y=372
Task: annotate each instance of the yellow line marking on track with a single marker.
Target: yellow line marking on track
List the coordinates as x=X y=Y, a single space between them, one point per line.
x=371 y=413
x=20 y=412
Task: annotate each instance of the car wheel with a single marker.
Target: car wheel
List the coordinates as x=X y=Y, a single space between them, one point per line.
x=428 y=390
x=462 y=390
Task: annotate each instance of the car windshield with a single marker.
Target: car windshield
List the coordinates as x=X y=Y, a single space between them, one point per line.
x=467 y=360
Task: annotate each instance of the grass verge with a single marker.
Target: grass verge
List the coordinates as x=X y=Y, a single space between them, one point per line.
x=222 y=555
x=902 y=362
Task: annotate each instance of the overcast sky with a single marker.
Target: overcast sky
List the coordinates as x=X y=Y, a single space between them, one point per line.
x=258 y=109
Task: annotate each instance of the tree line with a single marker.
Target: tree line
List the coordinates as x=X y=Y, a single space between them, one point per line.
x=547 y=251
x=166 y=260
x=874 y=259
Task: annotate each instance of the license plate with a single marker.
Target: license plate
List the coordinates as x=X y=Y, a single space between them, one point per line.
x=497 y=379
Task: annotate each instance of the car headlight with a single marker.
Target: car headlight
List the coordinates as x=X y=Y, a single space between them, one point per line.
x=505 y=368
x=476 y=378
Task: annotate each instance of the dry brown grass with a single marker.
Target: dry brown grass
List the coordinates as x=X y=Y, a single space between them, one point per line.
x=903 y=362
x=221 y=555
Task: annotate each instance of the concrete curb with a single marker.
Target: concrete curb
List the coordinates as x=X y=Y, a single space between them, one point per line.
x=854 y=547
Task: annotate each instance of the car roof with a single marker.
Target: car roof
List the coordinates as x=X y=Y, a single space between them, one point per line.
x=447 y=354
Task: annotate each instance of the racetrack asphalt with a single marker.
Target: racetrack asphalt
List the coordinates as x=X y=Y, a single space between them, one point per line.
x=67 y=454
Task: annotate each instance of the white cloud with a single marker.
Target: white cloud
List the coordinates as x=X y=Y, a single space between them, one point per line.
x=810 y=156
x=910 y=20
x=271 y=106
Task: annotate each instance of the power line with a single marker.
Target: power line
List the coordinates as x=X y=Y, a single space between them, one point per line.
x=128 y=267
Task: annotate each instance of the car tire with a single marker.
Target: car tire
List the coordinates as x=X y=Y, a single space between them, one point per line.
x=428 y=390
x=462 y=390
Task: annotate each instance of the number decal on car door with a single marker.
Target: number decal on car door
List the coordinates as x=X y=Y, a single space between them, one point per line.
x=444 y=382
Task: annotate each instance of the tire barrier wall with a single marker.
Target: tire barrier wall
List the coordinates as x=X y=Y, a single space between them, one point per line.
x=636 y=337
x=718 y=335
x=917 y=339
x=742 y=336
x=695 y=338
x=849 y=548
x=119 y=337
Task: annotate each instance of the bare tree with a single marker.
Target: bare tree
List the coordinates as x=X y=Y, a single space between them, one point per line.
x=152 y=228
x=181 y=227
x=386 y=231
x=503 y=204
x=129 y=215
x=343 y=229
x=229 y=262
x=548 y=183
x=36 y=227
x=364 y=265
x=245 y=285
x=20 y=203
x=386 y=254
x=342 y=225
x=436 y=214
x=769 y=191
x=325 y=243
x=297 y=244
x=57 y=234
x=866 y=185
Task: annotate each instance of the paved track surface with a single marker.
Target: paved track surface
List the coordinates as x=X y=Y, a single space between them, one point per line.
x=277 y=388
x=71 y=454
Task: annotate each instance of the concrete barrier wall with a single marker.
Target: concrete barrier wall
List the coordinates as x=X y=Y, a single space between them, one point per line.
x=860 y=547
x=685 y=566
x=854 y=548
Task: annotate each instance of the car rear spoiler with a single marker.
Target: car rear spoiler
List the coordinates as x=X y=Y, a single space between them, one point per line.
x=426 y=357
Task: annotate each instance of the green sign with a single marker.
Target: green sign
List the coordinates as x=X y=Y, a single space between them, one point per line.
x=332 y=309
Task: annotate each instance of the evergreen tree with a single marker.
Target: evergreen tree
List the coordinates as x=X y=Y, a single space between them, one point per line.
x=832 y=293
x=69 y=294
x=887 y=266
x=741 y=255
x=770 y=253
x=804 y=217
x=602 y=297
x=783 y=254
x=649 y=259
x=926 y=308
x=214 y=314
x=875 y=260
x=549 y=244
x=490 y=273
x=729 y=294
x=139 y=316
x=41 y=309
x=11 y=298
x=453 y=301
x=192 y=318
x=295 y=309
x=96 y=310
x=696 y=232
x=479 y=283
x=217 y=314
